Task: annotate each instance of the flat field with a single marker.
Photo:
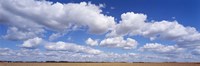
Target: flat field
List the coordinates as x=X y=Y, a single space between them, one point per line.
x=99 y=64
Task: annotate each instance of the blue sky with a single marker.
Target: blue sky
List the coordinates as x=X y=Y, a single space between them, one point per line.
x=100 y=30
x=184 y=11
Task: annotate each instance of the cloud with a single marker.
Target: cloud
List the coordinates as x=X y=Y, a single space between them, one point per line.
x=14 y=33
x=55 y=36
x=71 y=47
x=119 y=42
x=133 y=24
x=32 y=43
x=196 y=52
x=46 y=55
x=29 y=20
x=45 y=15
x=167 y=52
x=187 y=37
x=28 y=52
x=6 y=52
x=167 y=30
x=162 y=49
x=40 y=55
x=91 y=42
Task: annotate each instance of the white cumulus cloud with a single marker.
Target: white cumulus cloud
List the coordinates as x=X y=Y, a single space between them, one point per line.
x=119 y=42
x=14 y=33
x=71 y=47
x=41 y=15
x=133 y=24
x=32 y=43
x=91 y=42
x=159 y=48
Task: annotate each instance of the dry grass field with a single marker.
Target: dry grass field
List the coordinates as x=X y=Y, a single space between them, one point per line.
x=99 y=64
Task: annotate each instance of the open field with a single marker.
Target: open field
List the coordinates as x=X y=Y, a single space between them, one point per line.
x=99 y=64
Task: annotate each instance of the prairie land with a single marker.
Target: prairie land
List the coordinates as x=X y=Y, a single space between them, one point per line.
x=99 y=64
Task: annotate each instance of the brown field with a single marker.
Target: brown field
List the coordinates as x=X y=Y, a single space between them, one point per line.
x=99 y=64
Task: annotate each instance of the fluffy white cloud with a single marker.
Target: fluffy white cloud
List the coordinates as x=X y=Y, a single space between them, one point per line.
x=135 y=24
x=167 y=30
x=32 y=43
x=159 y=48
x=91 y=42
x=30 y=18
x=71 y=47
x=14 y=33
x=131 y=23
x=43 y=15
x=187 y=37
x=119 y=42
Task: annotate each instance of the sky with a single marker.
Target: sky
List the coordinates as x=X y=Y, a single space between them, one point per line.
x=100 y=30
